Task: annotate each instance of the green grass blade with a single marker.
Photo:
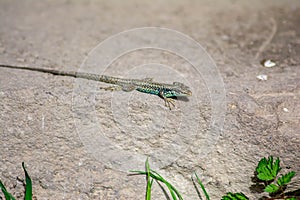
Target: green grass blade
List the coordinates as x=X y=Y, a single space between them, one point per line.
x=202 y=187
x=28 y=187
x=173 y=191
x=171 y=188
x=149 y=182
x=7 y=195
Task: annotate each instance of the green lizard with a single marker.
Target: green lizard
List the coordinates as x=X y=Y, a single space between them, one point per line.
x=147 y=85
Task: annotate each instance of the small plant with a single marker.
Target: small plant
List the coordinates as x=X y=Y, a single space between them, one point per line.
x=266 y=171
x=28 y=187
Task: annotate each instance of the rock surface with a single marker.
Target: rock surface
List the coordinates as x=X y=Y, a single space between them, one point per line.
x=38 y=124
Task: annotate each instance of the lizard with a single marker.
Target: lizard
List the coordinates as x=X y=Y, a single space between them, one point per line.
x=164 y=90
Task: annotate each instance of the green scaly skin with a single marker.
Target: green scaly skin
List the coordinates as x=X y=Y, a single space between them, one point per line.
x=147 y=85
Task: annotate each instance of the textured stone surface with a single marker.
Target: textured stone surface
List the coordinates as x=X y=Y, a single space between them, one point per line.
x=37 y=123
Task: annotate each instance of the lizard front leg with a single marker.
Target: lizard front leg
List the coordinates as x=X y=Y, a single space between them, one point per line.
x=168 y=101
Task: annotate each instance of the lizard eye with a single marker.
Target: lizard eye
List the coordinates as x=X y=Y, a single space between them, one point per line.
x=178 y=84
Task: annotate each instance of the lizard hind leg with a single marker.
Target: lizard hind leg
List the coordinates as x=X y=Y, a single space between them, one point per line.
x=112 y=88
x=125 y=88
x=128 y=88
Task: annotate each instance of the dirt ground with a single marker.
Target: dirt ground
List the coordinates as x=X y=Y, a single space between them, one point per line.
x=46 y=123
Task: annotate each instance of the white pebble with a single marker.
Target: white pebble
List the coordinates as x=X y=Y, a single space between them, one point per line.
x=262 y=77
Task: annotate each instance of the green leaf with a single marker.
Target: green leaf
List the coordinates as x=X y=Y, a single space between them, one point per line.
x=149 y=181
x=202 y=187
x=28 y=186
x=7 y=195
x=267 y=170
x=292 y=198
x=157 y=177
x=171 y=188
x=286 y=178
x=271 y=188
x=235 y=196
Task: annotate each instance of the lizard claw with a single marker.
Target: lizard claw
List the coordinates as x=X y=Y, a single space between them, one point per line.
x=169 y=102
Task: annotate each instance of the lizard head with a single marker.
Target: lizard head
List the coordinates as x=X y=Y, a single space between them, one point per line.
x=183 y=91
x=179 y=90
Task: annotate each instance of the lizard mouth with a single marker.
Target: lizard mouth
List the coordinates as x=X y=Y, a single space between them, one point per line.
x=189 y=93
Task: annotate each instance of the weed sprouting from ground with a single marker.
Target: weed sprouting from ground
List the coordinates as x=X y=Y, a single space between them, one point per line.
x=267 y=177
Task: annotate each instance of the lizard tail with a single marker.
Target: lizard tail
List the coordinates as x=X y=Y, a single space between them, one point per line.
x=94 y=77
x=49 y=71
